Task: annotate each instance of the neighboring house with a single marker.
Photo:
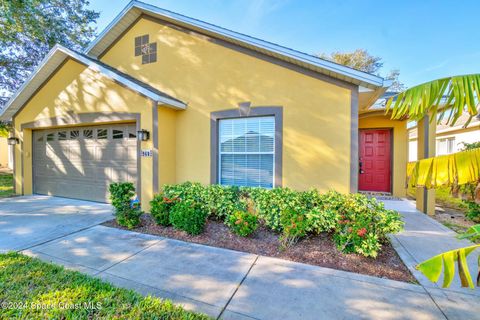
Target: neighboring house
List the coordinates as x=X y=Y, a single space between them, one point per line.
x=219 y=107
x=4 y=152
x=449 y=139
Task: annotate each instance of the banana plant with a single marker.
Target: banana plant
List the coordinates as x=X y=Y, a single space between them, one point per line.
x=432 y=268
x=452 y=95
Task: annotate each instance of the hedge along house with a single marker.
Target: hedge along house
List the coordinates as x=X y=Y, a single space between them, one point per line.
x=218 y=106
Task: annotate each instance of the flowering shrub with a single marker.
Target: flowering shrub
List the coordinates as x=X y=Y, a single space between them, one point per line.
x=160 y=208
x=294 y=224
x=358 y=224
x=242 y=223
x=364 y=224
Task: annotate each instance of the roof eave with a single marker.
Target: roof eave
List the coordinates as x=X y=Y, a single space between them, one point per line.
x=7 y=113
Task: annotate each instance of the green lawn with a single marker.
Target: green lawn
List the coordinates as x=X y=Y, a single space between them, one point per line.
x=48 y=291
x=443 y=198
x=6 y=184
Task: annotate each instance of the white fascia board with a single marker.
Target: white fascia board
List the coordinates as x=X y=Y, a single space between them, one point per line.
x=274 y=48
x=115 y=76
x=4 y=115
x=7 y=112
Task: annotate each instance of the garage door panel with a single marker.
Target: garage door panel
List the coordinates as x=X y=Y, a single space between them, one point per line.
x=82 y=162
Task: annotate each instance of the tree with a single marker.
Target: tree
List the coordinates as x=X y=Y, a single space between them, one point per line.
x=30 y=28
x=361 y=60
x=5 y=128
x=396 y=86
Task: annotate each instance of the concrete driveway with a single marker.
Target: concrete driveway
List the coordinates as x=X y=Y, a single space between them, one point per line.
x=32 y=220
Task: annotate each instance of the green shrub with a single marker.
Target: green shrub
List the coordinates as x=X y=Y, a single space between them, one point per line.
x=269 y=204
x=294 y=225
x=364 y=224
x=127 y=212
x=325 y=215
x=473 y=210
x=219 y=201
x=188 y=216
x=160 y=208
x=222 y=201
x=358 y=224
x=242 y=223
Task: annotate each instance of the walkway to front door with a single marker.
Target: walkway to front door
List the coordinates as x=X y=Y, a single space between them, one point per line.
x=375 y=160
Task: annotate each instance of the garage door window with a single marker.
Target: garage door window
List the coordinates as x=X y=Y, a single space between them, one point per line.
x=132 y=133
x=88 y=134
x=247 y=151
x=102 y=133
x=117 y=134
x=50 y=136
x=62 y=135
x=74 y=134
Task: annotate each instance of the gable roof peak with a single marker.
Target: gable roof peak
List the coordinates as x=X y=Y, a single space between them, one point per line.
x=135 y=9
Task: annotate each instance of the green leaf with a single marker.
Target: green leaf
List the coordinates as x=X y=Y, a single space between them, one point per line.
x=472 y=233
x=461 y=93
x=432 y=268
x=449 y=268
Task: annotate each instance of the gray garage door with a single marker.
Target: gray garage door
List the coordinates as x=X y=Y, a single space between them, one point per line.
x=81 y=162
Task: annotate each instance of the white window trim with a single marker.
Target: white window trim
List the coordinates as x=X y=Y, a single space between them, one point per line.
x=219 y=146
x=245 y=110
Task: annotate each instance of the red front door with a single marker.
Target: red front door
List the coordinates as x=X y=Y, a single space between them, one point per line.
x=375 y=160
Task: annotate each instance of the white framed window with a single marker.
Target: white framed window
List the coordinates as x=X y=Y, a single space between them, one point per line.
x=247 y=151
x=445 y=146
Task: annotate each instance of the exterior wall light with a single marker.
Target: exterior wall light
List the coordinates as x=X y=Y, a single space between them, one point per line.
x=143 y=135
x=13 y=141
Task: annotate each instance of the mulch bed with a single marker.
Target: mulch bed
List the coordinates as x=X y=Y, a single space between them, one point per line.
x=318 y=250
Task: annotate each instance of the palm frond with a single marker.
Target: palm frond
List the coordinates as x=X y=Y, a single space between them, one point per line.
x=453 y=96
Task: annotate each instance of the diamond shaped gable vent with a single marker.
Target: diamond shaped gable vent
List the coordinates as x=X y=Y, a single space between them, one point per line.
x=147 y=50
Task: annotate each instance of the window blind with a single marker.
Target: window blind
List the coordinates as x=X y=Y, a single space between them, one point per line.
x=247 y=152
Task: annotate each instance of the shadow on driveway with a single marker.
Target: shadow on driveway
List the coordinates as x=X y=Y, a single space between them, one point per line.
x=31 y=220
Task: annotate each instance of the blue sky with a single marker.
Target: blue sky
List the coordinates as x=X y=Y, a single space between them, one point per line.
x=424 y=39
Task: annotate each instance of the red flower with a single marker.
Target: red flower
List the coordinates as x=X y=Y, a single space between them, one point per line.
x=362 y=232
x=350 y=230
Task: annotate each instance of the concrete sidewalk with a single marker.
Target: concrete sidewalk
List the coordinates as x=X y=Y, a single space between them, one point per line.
x=424 y=238
x=234 y=285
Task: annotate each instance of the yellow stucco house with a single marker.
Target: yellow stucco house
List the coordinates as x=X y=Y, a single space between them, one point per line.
x=162 y=98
